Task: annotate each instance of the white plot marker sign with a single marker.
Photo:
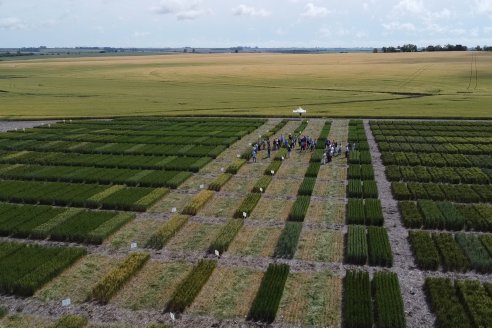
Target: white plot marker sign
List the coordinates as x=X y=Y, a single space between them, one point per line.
x=261 y=189
x=245 y=215
x=222 y=169
x=272 y=172
x=173 y=317
x=217 y=253
x=202 y=186
x=238 y=156
x=66 y=302
x=133 y=245
x=173 y=210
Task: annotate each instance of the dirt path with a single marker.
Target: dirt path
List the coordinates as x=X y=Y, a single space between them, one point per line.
x=411 y=281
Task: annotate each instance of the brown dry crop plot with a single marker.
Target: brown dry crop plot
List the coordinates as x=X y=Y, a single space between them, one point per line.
x=228 y=294
x=293 y=167
x=138 y=231
x=255 y=170
x=332 y=188
x=221 y=206
x=332 y=172
x=270 y=209
x=194 y=237
x=282 y=187
x=312 y=299
x=153 y=286
x=172 y=199
x=324 y=211
x=77 y=282
x=242 y=184
x=320 y=246
x=255 y=241
x=194 y=182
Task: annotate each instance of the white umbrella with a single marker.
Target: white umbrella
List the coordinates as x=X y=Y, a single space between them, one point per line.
x=299 y=111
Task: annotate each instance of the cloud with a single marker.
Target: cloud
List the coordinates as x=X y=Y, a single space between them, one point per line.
x=181 y=9
x=244 y=10
x=484 y=7
x=12 y=23
x=411 y=6
x=398 y=26
x=314 y=11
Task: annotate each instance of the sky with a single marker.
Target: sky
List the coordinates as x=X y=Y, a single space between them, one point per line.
x=227 y=23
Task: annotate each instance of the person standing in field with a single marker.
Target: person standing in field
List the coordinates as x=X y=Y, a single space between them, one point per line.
x=268 y=149
x=253 y=154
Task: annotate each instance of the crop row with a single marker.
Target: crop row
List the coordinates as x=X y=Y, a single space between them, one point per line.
x=364 y=212
x=25 y=268
x=197 y=202
x=219 y=182
x=414 y=137
x=460 y=252
x=358 y=309
x=267 y=299
x=360 y=172
x=456 y=193
x=275 y=129
x=360 y=157
x=190 y=286
x=462 y=304
x=248 y=205
x=262 y=184
x=472 y=175
x=325 y=131
x=301 y=127
x=226 y=235
x=446 y=215
x=436 y=159
x=299 y=209
x=140 y=162
x=59 y=224
x=306 y=187
x=444 y=148
x=159 y=239
x=112 y=148
x=234 y=167
x=374 y=246
x=114 y=280
x=80 y=195
x=362 y=189
x=49 y=135
x=129 y=177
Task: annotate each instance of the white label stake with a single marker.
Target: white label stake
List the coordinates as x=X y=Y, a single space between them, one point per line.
x=66 y=302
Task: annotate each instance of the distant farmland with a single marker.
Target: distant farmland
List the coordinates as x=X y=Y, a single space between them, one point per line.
x=367 y=85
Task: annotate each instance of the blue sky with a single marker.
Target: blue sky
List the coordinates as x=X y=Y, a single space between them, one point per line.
x=221 y=23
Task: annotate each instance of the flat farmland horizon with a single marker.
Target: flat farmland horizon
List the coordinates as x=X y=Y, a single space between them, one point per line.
x=410 y=85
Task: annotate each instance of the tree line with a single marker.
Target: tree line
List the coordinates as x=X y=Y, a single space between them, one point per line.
x=431 y=48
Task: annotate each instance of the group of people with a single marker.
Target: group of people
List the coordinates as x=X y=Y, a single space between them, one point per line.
x=290 y=142
x=333 y=149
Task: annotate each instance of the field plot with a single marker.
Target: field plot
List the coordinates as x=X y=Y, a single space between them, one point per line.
x=77 y=282
x=312 y=300
x=320 y=246
x=328 y=212
x=228 y=294
x=194 y=237
x=255 y=241
x=153 y=286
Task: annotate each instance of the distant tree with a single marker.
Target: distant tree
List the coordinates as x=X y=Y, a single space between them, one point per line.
x=409 y=48
x=375 y=50
x=478 y=48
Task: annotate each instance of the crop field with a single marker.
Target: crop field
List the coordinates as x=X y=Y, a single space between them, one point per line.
x=138 y=221
x=428 y=84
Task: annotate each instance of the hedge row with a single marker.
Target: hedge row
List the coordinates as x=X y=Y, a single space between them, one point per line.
x=359 y=157
x=360 y=172
x=287 y=243
x=357 y=307
x=388 y=303
x=299 y=209
x=362 y=189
